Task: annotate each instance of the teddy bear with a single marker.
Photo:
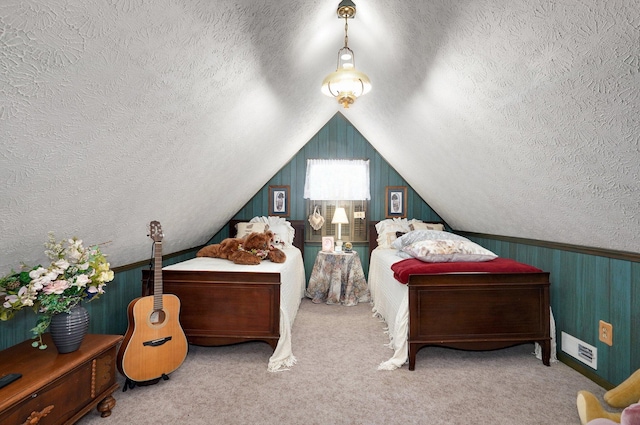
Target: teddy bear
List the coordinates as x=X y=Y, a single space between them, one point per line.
x=626 y=395
x=251 y=249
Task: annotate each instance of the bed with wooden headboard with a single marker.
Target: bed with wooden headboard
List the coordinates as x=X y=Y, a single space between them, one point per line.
x=224 y=303
x=468 y=310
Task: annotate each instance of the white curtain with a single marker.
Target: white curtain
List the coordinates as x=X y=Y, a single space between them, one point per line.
x=337 y=180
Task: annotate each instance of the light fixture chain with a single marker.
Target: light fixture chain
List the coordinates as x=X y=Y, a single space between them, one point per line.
x=346 y=29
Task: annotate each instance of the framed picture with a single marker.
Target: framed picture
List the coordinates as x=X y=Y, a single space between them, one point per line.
x=279 y=200
x=327 y=243
x=395 y=201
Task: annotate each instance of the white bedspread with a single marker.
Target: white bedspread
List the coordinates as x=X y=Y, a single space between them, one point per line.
x=292 y=288
x=391 y=303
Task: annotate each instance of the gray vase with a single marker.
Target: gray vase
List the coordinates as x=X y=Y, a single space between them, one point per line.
x=68 y=329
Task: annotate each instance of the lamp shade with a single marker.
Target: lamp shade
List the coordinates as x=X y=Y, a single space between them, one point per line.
x=340 y=217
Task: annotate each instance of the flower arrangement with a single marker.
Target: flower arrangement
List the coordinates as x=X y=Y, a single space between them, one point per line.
x=76 y=273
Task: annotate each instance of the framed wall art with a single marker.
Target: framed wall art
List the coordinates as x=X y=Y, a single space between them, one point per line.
x=279 y=201
x=395 y=201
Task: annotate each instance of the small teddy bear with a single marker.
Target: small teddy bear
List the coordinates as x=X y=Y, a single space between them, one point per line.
x=250 y=250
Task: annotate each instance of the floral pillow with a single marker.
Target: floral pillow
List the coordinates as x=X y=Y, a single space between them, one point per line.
x=448 y=250
x=422 y=235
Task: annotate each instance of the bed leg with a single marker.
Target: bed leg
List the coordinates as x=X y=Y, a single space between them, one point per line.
x=412 y=356
x=546 y=352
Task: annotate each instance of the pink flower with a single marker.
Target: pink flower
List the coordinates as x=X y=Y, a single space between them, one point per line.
x=56 y=287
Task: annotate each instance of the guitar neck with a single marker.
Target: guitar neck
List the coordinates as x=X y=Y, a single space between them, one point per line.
x=157 y=276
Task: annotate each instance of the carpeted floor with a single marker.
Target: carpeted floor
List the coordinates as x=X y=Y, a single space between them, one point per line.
x=336 y=381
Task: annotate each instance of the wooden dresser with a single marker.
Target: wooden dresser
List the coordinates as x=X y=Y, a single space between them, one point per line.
x=58 y=388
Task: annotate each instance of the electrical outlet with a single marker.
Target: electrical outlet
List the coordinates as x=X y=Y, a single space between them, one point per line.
x=606 y=332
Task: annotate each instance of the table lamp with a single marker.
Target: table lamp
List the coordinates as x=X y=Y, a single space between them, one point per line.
x=339 y=218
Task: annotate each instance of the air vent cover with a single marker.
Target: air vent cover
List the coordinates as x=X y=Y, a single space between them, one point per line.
x=580 y=350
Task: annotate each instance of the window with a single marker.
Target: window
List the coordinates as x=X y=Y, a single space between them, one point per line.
x=337 y=180
x=333 y=183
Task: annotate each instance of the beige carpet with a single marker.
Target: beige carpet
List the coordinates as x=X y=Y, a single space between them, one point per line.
x=336 y=382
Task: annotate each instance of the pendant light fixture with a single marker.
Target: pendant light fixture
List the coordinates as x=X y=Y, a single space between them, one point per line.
x=346 y=83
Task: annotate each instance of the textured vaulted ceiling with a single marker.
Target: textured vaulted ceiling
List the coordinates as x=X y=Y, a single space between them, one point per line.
x=517 y=118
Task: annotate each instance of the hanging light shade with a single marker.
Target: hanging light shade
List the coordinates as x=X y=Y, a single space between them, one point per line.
x=346 y=84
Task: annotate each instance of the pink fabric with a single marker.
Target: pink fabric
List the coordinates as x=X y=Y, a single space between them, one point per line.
x=629 y=416
x=403 y=269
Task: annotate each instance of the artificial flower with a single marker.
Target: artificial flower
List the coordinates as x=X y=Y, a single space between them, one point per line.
x=76 y=273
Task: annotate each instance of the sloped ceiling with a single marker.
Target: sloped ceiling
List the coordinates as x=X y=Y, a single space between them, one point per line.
x=516 y=118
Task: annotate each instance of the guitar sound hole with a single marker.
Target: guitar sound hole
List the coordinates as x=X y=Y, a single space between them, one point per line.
x=157 y=317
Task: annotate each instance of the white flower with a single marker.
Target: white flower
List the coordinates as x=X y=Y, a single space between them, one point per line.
x=62 y=264
x=75 y=251
x=82 y=280
x=10 y=300
x=34 y=274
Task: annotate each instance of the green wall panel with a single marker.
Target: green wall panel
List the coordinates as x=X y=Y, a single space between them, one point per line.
x=584 y=290
x=338 y=139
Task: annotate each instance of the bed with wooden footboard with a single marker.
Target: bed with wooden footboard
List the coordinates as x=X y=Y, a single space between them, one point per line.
x=471 y=305
x=224 y=303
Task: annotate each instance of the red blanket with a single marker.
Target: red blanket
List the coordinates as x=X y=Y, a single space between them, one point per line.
x=403 y=269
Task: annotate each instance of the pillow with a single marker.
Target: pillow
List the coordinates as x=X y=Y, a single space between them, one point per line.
x=246 y=228
x=403 y=254
x=422 y=235
x=427 y=226
x=282 y=229
x=443 y=251
x=387 y=230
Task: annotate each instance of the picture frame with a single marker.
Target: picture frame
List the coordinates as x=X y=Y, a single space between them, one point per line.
x=279 y=200
x=395 y=202
x=327 y=244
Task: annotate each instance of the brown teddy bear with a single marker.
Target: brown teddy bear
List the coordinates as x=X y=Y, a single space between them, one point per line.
x=251 y=249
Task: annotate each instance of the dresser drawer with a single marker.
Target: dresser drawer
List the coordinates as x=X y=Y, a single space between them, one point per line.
x=60 y=399
x=59 y=388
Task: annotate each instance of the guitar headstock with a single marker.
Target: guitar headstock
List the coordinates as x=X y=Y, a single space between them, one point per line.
x=155 y=231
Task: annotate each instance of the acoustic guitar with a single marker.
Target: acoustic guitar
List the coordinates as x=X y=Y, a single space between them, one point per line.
x=155 y=344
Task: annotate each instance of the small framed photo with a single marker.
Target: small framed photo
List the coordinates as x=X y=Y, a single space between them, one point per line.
x=279 y=200
x=327 y=243
x=395 y=201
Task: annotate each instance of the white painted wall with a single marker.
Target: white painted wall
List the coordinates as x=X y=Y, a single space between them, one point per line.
x=516 y=118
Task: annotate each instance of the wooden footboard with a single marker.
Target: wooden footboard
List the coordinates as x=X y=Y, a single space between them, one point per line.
x=221 y=308
x=479 y=311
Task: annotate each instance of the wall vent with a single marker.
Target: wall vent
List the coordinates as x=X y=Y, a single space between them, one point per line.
x=587 y=354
